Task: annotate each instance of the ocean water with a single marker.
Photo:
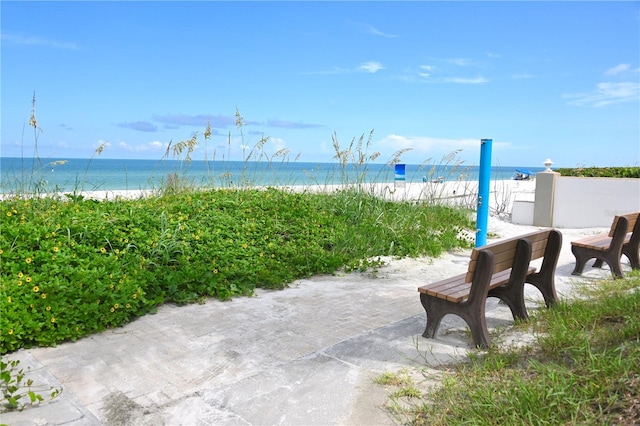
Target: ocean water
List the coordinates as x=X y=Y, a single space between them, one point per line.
x=50 y=174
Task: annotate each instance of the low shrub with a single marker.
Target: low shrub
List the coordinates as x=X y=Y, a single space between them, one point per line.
x=613 y=172
x=73 y=266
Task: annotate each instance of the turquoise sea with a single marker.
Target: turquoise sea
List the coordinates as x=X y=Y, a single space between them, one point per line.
x=51 y=174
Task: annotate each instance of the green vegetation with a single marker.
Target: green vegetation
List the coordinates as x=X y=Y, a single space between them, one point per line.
x=583 y=369
x=614 y=172
x=71 y=267
x=17 y=392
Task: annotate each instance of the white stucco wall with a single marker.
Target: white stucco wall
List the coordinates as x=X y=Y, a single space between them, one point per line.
x=522 y=212
x=581 y=202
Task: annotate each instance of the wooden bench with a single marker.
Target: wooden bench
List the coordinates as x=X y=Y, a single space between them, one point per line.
x=623 y=238
x=496 y=270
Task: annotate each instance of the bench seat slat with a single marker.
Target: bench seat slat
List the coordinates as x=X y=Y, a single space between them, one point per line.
x=599 y=242
x=456 y=289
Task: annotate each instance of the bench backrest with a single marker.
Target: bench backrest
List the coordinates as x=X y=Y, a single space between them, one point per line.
x=632 y=219
x=504 y=252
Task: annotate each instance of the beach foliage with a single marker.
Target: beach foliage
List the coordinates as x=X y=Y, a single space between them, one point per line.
x=612 y=172
x=73 y=266
x=584 y=368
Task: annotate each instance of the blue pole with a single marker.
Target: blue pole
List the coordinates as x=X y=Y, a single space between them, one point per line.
x=484 y=180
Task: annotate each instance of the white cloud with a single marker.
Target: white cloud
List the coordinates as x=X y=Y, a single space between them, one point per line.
x=154 y=146
x=461 y=62
x=606 y=94
x=277 y=145
x=425 y=145
x=460 y=80
x=617 y=69
x=37 y=41
x=372 y=30
x=371 y=67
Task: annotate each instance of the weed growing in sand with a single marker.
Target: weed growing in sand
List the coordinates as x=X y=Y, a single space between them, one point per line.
x=17 y=391
x=583 y=369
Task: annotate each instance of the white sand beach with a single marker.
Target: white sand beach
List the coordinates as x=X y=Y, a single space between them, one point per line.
x=462 y=193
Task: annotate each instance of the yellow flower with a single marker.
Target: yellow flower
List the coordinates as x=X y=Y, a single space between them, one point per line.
x=116 y=305
x=11 y=331
x=48 y=308
x=19 y=283
x=53 y=319
x=44 y=295
x=127 y=306
x=28 y=260
x=20 y=274
x=9 y=299
x=112 y=309
x=103 y=250
x=135 y=295
x=1 y=251
x=28 y=279
x=9 y=214
x=56 y=249
x=36 y=289
x=215 y=271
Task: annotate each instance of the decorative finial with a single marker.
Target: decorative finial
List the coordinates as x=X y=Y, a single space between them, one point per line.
x=547 y=163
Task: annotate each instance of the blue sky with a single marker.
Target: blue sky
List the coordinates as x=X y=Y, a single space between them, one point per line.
x=555 y=80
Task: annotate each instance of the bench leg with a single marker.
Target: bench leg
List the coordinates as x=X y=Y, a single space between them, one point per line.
x=633 y=255
x=616 y=267
x=435 y=313
x=582 y=257
x=513 y=296
x=471 y=310
x=544 y=279
x=546 y=286
x=473 y=313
